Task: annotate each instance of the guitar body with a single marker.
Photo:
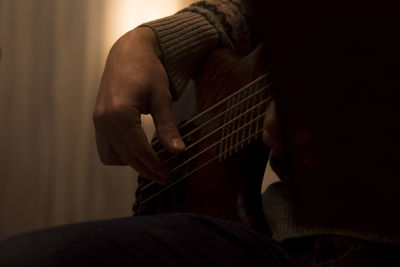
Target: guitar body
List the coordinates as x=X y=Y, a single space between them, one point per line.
x=221 y=172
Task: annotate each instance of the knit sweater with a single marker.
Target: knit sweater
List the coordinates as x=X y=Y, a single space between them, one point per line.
x=187 y=37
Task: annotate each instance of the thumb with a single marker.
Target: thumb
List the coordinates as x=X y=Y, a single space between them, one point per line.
x=167 y=131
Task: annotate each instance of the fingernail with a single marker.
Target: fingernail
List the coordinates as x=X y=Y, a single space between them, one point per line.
x=178 y=144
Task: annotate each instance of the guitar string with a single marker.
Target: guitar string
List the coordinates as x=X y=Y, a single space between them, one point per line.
x=223 y=133
x=162 y=150
x=228 y=129
x=241 y=109
x=233 y=125
x=262 y=78
x=252 y=114
x=213 y=145
x=142 y=202
x=219 y=128
x=226 y=137
x=245 y=118
x=257 y=81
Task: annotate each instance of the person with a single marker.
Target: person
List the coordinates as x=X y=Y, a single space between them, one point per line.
x=146 y=69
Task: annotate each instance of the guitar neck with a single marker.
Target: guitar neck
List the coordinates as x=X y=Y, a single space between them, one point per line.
x=221 y=130
x=232 y=100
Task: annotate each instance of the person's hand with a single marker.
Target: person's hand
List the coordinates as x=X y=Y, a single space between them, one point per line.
x=272 y=133
x=135 y=82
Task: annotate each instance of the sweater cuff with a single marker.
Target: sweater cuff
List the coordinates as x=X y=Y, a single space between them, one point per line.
x=185 y=39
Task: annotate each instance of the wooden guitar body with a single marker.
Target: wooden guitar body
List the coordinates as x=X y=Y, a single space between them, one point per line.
x=221 y=171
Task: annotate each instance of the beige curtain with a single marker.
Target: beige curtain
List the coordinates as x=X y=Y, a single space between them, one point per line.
x=53 y=52
x=52 y=56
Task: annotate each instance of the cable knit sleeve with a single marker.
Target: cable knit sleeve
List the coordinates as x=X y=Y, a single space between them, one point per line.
x=188 y=36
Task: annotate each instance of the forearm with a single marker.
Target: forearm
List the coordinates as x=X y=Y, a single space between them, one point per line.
x=188 y=36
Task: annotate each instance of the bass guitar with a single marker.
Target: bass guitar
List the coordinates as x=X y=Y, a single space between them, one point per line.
x=221 y=170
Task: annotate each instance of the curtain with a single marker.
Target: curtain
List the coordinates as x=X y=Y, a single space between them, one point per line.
x=52 y=56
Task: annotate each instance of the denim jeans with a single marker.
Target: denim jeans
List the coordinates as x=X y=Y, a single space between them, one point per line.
x=184 y=240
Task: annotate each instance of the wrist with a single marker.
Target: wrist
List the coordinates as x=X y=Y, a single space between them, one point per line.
x=147 y=37
x=139 y=42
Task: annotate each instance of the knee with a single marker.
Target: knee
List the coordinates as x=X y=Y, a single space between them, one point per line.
x=42 y=248
x=19 y=250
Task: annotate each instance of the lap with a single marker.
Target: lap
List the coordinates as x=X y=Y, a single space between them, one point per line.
x=161 y=240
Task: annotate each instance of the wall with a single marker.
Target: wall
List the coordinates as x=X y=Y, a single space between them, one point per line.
x=53 y=52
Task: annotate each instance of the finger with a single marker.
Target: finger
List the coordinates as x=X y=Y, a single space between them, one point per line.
x=275 y=146
x=123 y=151
x=134 y=137
x=164 y=123
x=107 y=154
x=272 y=131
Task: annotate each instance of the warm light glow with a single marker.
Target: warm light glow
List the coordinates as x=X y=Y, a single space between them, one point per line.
x=124 y=15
